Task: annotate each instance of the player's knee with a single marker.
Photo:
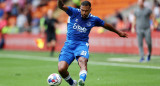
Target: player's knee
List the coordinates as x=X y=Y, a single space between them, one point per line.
x=53 y=43
x=62 y=68
x=82 y=61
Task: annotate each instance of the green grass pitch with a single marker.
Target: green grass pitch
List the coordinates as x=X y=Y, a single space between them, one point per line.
x=24 y=68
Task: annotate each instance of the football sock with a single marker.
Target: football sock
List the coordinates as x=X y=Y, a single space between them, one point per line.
x=83 y=75
x=69 y=80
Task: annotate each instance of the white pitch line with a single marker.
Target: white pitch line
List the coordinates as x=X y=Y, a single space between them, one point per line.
x=123 y=65
x=132 y=59
x=123 y=59
x=29 y=57
x=90 y=62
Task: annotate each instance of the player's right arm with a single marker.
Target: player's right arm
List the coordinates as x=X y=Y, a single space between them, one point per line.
x=62 y=6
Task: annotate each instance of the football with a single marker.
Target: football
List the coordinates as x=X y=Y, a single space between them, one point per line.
x=54 y=79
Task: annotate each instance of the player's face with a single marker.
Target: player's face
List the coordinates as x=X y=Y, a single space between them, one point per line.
x=140 y=3
x=50 y=14
x=85 y=10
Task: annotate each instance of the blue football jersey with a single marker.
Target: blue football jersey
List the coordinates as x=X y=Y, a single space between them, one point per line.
x=78 y=28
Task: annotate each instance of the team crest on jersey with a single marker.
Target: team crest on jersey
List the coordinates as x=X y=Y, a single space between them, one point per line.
x=89 y=24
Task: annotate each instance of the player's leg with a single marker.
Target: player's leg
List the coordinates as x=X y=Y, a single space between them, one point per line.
x=66 y=57
x=49 y=46
x=140 y=36
x=52 y=45
x=149 y=43
x=48 y=40
x=51 y=41
x=62 y=69
x=82 y=56
x=83 y=70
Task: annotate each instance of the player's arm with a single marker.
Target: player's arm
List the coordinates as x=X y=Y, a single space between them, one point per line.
x=42 y=26
x=62 y=6
x=111 y=28
x=133 y=24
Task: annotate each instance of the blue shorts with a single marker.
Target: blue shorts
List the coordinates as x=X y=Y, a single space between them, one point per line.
x=73 y=49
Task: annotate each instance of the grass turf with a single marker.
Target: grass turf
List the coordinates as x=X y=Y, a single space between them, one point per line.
x=32 y=72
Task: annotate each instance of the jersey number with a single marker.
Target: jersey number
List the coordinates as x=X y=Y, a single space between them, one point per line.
x=84 y=53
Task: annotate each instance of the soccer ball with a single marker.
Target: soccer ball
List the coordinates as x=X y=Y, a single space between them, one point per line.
x=54 y=79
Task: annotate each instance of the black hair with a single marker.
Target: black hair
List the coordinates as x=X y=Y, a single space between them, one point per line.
x=86 y=3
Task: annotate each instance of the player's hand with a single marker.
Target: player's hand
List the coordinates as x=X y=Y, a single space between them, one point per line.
x=123 y=34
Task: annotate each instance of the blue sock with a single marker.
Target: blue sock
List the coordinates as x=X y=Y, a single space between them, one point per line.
x=83 y=75
x=69 y=80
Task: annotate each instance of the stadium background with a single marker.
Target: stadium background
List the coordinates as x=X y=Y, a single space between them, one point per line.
x=114 y=61
x=119 y=13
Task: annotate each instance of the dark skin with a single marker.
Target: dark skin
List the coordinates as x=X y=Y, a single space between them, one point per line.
x=85 y=10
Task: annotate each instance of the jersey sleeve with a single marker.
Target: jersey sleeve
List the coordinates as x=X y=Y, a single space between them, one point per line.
x=99 y=22
x=71 y=11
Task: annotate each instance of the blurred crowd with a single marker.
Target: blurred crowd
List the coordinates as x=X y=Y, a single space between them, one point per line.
x=124 y=23
x=19 y=16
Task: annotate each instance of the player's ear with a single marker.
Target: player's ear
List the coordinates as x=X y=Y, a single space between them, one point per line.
x=90 y=9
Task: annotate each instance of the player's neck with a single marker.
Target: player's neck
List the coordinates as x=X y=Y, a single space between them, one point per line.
x=141 y=6
x=86 y=17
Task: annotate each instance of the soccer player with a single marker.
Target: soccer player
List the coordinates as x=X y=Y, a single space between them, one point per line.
x=50 y=30
x=76 y=46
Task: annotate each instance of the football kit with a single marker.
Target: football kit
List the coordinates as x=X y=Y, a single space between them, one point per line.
x=78 y=30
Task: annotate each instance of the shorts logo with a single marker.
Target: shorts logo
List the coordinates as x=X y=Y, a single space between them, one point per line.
x=84 y=53
x=79 y=28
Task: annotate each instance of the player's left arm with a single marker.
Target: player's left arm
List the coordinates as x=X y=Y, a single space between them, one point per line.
x=107 y=26
x=111 y=28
